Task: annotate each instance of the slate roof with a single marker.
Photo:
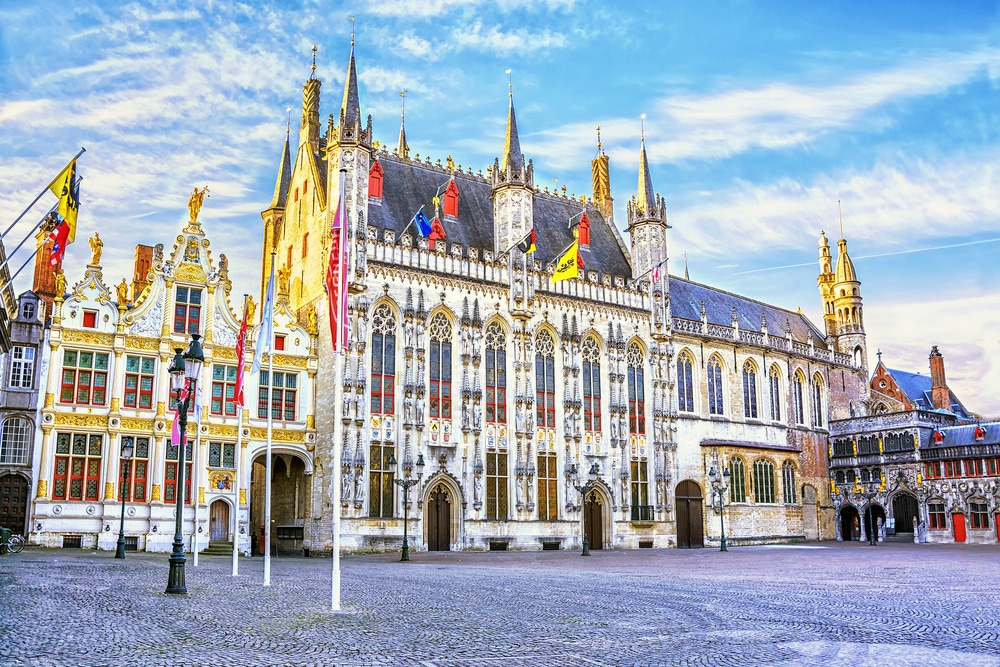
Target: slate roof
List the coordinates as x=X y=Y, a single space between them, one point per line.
x=966 y=435
x=917 y=389
x=409 y=185
x=686 y=298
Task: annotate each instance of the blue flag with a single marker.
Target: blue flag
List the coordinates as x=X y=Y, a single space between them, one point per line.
x=422 y=223
x=266 y=333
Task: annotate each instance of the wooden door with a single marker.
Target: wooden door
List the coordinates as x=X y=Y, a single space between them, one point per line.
x=439 y=520
x=690 y=520
x=904 y=511
x=593 y=521
x=219 y=521
x=13 y=502
x=958 y=526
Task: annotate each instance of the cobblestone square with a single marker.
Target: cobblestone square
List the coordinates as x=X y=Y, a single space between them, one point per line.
x=830 y=603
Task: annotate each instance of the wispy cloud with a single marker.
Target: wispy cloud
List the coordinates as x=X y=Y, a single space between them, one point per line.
x=439 y=9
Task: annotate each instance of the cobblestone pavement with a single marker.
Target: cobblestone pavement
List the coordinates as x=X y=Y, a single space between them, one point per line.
x=830 y=604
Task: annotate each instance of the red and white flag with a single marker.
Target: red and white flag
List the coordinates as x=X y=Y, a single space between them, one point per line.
x=336 y=277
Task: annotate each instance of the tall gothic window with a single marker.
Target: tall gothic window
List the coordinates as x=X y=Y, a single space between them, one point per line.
x=641 y=510
x=496 y=486
x=591 y=385
x=715 y=405
x=797 y=400
x=383 y=361
x=685 y=384
x=816 y=404
x=545 y=381
x=496 y=374
x=380 y=481
x=774 y=391
x=548 y=483
x=749 y=391
x=788 y=482
x=763 y=481
x=440 y=363
x=737 y=481
x=636 y=394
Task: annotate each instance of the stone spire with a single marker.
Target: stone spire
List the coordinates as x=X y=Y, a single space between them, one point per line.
x=645 y=199
x=601 y=173
x=403 y=148
x=309 y=127
x=647 y=220
x=284 y=179
x=511 y=165
x=350 y=109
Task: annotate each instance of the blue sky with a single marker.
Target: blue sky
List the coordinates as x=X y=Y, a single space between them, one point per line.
x=759 y=118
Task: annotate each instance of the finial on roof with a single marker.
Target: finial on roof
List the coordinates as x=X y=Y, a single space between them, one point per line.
x=351 y=19
x=402 y=113
x=288 y=123
x=510 y=84
x=598 y=136
x=642 y=128
x=686 y=276
x=313 y=75
x=879 y=355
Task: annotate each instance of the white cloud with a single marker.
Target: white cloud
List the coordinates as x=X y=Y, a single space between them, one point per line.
x=439 y=9
x=494 y=39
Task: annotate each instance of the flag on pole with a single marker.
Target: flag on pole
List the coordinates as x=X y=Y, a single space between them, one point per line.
x=568 y=264
x=527 y=244
x=60 y=239
x=175 y=431
x=198 y=395
x=65 y=187
x=241 y=344
x=422 y=223
x=336 y=280
x=266 y=333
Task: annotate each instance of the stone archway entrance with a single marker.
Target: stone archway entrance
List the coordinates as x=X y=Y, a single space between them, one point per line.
x=218 y=521
x=13 y=503
x=871 y=519
x=438 y=519
x=593 y=520
x=904 y=511
x=850 y=523
x=291 y=491
x=690 y=520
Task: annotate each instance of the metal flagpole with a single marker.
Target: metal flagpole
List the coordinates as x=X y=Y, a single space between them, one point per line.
x=239 y=447
x=267 y=469
x=7 y=259
x=337 y=333
x=196 y=478
x=35 y=200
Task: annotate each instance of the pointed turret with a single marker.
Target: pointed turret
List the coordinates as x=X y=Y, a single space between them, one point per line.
x=601 y=173
x=274 y=215
x=512 y=159
x=511 y=175
x=647 y=220
x=284 y=177
x=848 y=312
x=845 y=267
x=350 y=108
x=403 y=148
x=645 y=197
x=825 y=282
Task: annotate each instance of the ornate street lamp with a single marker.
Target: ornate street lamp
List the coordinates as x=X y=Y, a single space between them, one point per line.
x=867 y=493
x=128 y=447
x=405 y=484
x=184 y=368
x=720 y=484
x=584 y=490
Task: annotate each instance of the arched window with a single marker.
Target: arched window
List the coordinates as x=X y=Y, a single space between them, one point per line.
x=763 y=481
x=797 y=391
x=496 y=375
x=440 y=367
x=774 y=390
x=749 y=391
x=715 y=405
x=14 y=441
x=383 y=361
x=817 y=401
x=545 y=381
x=788 y=482
x=451 y=200
x=737 y=481
x=636 y=394
x=375 y=175
x=591 y=385
x=685 y=385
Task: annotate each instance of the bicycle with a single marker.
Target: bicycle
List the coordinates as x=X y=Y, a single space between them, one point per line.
x=15 y=544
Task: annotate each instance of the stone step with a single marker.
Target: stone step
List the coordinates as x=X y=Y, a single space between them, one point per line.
x=218 y=549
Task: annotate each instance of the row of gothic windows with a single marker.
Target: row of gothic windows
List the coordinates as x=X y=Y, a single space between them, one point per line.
x=761 y=481
x=716 y=392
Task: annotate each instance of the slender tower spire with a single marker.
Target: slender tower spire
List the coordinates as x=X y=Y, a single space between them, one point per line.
x=512 y=158
x=645 y=198
x=403 y=149
x=601 y=175
x=647 y=218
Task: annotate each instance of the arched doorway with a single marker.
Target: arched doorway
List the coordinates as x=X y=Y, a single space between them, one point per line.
x=13 y=502
x=593 y=520
x=904 y=511
x=291 y=491
x=850 y=524
x=218 y=521
x=690 y=522
x=439 y=519
x=871 y=518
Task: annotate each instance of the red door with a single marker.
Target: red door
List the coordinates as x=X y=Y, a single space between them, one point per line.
x=996 y=522
x=958 y=526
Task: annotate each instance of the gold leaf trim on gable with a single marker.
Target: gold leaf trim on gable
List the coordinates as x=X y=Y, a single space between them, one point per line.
x=285 y=360
x=143 y=343
x=224 y=353
x=137 y=425
x=88 y=421
x=293 y=437
x=190 y=273
x=222 y=431
x=88 y=338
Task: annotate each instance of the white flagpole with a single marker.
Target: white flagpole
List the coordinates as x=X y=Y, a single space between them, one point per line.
x=338 y=429
x=241 y=372
x=269 y=330
x=196 y=475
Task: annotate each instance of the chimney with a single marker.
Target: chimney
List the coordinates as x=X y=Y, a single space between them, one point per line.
x=140 y=276
x=940 y=395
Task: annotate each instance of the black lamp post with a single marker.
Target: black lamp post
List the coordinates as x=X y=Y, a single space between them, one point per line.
x=867 y=493
x=720 y=483
x=126 y=458
x=183 y=368
x=405 y=484
x=584 y=490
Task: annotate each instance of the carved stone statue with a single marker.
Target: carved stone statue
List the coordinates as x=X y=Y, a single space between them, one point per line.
x=347 y=406
x=519 y=489
x=96 y=248
x=122 y=293
x=421 y=330
x=478 y=486
x=408 y=334
x=408 y=409
x=346 y=484
x=464 y=335
x=223 y=264
x=530 y=490
x=477 y=337
x=465 y=415
x=420 y=410
x=477 y=419
x=519 y=419
x=362 y=330
x=195 y=201
x=359 y=489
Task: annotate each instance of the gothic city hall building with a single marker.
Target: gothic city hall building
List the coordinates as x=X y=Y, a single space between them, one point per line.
x=607 y=406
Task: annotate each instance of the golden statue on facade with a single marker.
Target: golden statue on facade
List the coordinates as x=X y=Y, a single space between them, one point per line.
x=195 y=202
x=96 y=248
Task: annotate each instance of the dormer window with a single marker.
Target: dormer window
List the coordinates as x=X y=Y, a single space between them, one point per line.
x=28 y=310
x=980 y=433
x=584 y=229
x=279 y=342
x=451 y=200
x=375 y=175
x=938 y=437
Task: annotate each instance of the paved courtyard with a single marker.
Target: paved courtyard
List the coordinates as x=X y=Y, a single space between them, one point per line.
x=827 y=604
